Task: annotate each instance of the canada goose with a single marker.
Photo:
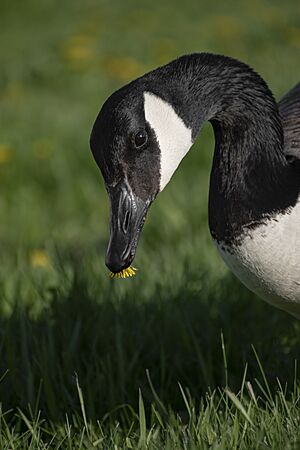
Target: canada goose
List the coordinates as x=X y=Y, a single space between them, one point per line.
x=145 y=129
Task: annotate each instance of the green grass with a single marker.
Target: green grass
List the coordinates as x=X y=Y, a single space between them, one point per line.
x=182 y=355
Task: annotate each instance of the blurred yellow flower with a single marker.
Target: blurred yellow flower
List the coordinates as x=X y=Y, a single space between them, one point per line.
x=164 y=50
x=293 y=36
x=269 y=13
x=122 y=68
x=6 y=152
x=42 y=148
x=39 y=258
x=14 y=92
x=78 y=49
x=226 y=27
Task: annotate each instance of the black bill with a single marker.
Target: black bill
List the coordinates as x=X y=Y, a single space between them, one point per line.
x=127 y=216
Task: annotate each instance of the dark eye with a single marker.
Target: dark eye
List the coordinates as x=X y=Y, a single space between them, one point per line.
x=140 y=138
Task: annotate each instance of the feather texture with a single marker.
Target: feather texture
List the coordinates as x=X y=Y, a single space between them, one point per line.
x=289 y=109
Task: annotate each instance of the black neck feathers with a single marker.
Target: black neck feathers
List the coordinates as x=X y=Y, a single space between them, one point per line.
x=251 y=178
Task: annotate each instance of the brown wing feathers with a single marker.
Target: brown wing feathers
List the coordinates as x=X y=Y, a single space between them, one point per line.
x=289 y=108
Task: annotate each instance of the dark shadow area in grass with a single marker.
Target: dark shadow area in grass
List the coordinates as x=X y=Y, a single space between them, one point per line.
x=111 y=344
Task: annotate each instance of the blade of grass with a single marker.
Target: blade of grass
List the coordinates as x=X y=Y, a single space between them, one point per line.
x=82 y=406
x=155 y=395
x=142 y=422
x=269 y=396
x=224 y=359
x=238 y=405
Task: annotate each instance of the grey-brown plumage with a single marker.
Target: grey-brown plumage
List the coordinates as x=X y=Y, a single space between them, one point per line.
x=289 y=109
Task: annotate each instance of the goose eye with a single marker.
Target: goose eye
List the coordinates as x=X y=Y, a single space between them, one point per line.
x=140 y=138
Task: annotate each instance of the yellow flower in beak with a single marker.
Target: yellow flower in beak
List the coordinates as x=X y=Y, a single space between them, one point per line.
x=125 y=273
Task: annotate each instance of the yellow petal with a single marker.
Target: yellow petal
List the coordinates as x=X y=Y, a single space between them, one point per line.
x=125 y=273
x=39 y=258
x=5 y=153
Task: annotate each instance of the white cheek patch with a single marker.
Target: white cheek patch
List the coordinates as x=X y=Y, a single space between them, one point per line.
x=173 y=136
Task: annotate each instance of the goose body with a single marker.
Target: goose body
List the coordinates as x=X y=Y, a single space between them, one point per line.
x=267 y=258
x=145 y=129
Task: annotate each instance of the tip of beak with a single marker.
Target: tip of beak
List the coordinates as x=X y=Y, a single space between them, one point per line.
x=115 y=263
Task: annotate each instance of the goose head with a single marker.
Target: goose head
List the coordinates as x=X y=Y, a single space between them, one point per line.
x=137 y=140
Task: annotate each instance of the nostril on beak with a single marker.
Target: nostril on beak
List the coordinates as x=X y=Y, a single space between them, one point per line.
x=125 y=224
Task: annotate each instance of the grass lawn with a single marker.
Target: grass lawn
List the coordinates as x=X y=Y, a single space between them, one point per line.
x=182 y=356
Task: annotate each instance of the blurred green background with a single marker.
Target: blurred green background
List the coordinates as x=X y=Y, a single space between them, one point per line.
x=59 y=311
